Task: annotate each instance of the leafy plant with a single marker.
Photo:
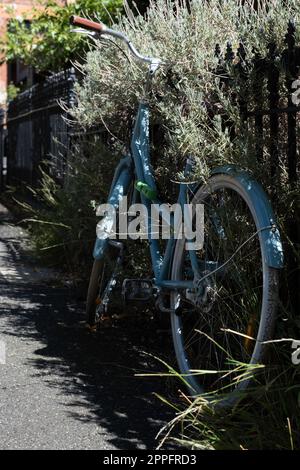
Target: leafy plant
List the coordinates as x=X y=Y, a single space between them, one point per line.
x=12 y=91
x=187 y=88
x=46 y=42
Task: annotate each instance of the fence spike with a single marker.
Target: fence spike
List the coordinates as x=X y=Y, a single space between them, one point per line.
x=229 y=55
x=217 y=50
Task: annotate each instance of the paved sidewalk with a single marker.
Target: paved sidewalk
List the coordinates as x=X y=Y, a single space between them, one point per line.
x=61 y=388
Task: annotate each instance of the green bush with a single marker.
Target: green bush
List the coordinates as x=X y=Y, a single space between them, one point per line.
x=187 y=87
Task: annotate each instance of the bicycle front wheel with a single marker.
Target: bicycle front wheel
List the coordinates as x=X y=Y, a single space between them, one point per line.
x=219 y=331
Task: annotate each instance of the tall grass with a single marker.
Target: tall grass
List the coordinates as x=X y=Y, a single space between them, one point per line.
x=267 y=419
x=63 y=223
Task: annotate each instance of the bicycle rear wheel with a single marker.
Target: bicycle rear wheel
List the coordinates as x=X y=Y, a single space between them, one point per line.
x=101 y=275
x=219 y=332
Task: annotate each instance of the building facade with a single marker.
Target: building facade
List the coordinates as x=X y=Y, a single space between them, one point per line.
x=17 y=72
x=7 y=10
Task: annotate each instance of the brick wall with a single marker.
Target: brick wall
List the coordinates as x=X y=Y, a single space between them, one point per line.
x=18 y=7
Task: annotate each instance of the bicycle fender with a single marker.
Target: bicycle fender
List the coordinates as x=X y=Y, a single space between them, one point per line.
x=264 y=215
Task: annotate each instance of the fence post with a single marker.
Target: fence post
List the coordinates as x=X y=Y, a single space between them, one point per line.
x=293 y=219
x=290 y=77
x=243 y=76
x=258 y=72
x=273 y=89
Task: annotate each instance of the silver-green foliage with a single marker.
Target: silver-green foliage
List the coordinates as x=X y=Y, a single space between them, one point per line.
x=185 y=38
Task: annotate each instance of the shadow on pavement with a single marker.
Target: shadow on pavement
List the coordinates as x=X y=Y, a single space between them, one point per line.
x=98 y=369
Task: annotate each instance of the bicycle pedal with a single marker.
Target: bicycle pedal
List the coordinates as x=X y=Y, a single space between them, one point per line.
x=140 y=290
x=91 y=328
x=105 y=321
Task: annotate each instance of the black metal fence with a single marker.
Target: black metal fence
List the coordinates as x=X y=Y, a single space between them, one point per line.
x=265 y=90
x=37 y=130
x=266 y=103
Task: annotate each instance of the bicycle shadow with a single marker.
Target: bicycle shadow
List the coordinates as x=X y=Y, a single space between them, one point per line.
x=99 y=370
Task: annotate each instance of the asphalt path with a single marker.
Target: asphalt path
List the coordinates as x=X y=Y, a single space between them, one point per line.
x=61 y=387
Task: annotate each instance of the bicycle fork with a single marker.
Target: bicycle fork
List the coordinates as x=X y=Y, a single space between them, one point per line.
x=113 y=279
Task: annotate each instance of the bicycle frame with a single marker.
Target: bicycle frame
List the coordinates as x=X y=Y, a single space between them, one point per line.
x=138 y=166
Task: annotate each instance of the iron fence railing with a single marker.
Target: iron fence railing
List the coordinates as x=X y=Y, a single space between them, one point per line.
x=264 y=90
x=37 y=130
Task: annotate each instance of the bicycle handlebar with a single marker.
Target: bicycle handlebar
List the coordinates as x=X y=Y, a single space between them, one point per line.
x=101 y=28
x=88 y=24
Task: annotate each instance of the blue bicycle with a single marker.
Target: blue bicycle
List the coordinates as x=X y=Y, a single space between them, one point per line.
x=222 y=297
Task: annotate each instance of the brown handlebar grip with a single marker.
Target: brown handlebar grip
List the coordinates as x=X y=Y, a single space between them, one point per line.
x=87 y=24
